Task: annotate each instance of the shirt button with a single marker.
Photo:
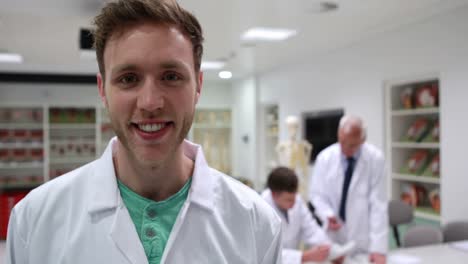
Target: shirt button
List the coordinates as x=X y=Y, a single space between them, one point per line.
x=150 y=232
x=151 y=213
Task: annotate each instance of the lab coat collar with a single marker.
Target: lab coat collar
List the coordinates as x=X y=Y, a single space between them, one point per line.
x=267 y=195
x=202 y=191
x=106 y=195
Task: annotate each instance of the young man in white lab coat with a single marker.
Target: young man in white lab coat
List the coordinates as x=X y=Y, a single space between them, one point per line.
x=151 y=197
x=348 y=191
x=297 y=221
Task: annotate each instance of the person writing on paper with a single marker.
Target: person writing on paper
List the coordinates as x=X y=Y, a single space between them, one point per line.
x=297 y=222
x=347 y=189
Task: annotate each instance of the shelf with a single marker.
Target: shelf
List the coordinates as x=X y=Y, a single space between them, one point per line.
x=75 y=140
x=19 y=185
x=21 y=126
x=401 y=148
x=272 y=123
x=21 y=145
x=73 y=126
x=22 y=165
x=420 y=111
x=423 y=145
x=426 y=213
x=414 y=178
x=77 y=160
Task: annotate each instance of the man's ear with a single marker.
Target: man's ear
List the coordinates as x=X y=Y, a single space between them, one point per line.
x=101 y=88
x=199 y=86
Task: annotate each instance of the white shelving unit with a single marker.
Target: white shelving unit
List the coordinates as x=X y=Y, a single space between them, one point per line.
x=104 y=130
x=269 y=139
x=71 y=138
x=38 y=143
x=212 y=129
x=22 y=159
x=403 y=111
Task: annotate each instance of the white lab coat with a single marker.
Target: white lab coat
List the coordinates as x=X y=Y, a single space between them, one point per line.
x=80 y=218
x=366 y=206
x=299 y=227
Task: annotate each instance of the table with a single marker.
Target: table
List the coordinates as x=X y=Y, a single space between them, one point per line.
x=431 y=254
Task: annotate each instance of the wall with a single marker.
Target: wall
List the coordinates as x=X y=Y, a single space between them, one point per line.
x=244 y=95
x=18 y=93
x=353 y=78
x=214 y=94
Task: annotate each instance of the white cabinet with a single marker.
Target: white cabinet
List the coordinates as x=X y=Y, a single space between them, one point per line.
x=412 y=144
x=22 y=161
x=71 y=138
x=268 y=140
x=211 y=129
x=105 y=132
x=39 y=143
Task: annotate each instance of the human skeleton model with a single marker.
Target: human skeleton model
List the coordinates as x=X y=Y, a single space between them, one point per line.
x=295 y=154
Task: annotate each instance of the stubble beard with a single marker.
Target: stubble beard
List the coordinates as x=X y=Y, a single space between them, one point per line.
x=136 y=159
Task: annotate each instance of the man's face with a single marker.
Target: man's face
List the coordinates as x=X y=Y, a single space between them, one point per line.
x=350 y=141
x=284 y=200
x=150 y=90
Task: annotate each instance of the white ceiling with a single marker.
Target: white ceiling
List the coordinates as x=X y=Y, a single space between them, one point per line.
x=45 y=32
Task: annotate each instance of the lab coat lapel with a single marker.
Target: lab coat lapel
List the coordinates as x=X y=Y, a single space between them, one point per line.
x=202 y=192
x=105 y=201
x=126 y=238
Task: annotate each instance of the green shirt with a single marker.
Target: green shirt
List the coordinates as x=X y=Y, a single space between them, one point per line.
x=153 y=220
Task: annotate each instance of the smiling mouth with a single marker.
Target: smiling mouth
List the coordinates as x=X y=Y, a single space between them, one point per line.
x=151 y=128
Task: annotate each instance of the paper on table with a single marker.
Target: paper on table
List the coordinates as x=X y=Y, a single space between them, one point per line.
x=462 y=245
x=403 y=259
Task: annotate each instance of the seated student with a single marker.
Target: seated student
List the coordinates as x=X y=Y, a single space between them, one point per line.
x=297 y=222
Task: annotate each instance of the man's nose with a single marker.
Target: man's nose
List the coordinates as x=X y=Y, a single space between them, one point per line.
x=151 y=96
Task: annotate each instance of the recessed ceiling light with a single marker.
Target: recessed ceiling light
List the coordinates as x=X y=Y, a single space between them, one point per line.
x=212 y=65
x=321 y=7
x=10 y=57
x=225 y=74
x=267 y=34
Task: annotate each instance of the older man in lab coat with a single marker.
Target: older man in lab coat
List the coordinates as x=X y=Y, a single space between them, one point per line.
x=298 y=224
x=151 y=197
x=347 y=189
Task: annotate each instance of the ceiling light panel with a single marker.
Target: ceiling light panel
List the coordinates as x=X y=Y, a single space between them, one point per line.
x=212 y=65
x=225 y=75
x=11 y=58
x=267 y=34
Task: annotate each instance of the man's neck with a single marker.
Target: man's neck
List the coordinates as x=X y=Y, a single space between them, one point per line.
x=156 y=182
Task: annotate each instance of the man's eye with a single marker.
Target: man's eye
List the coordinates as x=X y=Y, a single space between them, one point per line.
x=171 y=77
x=128 y=79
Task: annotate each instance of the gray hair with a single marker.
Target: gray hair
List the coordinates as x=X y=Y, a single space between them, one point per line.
x=348 y=122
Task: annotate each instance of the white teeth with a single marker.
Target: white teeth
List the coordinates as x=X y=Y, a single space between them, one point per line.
x=151 y=127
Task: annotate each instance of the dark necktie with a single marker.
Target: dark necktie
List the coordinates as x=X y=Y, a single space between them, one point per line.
x=346 y=183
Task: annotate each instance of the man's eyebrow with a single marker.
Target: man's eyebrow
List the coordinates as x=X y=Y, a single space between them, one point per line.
x=123 y=67
x=171 y=64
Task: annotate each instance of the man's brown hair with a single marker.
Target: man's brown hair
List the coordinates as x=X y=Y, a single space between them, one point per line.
x=282 y=179
x=115 y=15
